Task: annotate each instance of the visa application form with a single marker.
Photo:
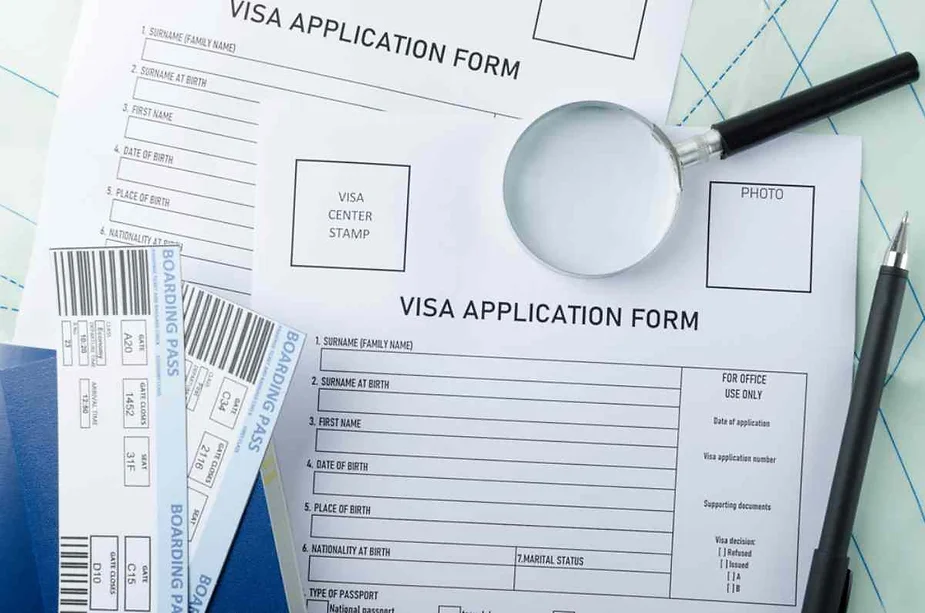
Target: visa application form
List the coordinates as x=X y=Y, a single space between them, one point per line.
x=156 y=131
x=155 y=136
x=470 y=431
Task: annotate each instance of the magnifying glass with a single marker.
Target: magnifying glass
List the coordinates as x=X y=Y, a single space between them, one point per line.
x=592 y=188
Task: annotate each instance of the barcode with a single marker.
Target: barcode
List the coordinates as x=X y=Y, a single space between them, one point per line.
x=223 y=334
x=73 y=574
x=93 y=282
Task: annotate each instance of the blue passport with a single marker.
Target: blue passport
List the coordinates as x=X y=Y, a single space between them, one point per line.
x=250 y=581
x=19 y=581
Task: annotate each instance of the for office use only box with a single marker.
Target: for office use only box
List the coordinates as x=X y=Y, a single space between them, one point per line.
x=121 y=430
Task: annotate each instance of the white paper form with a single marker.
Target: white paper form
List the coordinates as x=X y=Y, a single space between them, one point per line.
x=469 y=431
x=121 y=430
x=156 y=130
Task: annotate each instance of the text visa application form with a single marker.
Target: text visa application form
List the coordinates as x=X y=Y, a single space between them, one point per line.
x=156 y=131
x=472 y=431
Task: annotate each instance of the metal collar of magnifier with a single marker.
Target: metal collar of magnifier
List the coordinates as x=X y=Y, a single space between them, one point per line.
x=700 y=148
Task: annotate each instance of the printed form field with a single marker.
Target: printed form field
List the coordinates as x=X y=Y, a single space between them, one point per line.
x=556 y=476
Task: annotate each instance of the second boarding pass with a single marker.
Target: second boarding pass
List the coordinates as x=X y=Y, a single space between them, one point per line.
x=123 y=528
x=238 y=369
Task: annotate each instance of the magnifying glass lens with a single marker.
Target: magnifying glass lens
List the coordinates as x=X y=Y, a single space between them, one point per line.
x=591 y=188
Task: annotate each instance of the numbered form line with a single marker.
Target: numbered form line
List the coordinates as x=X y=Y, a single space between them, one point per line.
x=257 y=72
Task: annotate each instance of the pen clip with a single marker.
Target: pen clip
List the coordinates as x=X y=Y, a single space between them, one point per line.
x=846 y=593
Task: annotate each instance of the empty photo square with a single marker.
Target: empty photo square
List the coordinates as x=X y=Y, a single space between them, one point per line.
x=610 y=28
x=760 y=237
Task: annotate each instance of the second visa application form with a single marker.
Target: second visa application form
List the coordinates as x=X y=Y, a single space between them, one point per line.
x=471 y=430
x=156 y=132
x=155 y=136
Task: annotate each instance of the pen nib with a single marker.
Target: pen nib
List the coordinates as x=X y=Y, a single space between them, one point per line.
x=897 y=254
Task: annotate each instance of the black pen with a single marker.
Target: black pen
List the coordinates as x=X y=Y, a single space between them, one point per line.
x=829 y=584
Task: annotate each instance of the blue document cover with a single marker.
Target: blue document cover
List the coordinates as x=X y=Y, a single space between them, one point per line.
x=250 y=581
x=25 y=579
x=19 y=586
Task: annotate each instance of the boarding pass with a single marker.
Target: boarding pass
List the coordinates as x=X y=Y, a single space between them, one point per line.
x=123 y=539
x=238 y=368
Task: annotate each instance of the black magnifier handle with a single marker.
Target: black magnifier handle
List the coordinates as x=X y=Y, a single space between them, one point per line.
x=766 y=122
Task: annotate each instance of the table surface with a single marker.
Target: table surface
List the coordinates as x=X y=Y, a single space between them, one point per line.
x=736 y=55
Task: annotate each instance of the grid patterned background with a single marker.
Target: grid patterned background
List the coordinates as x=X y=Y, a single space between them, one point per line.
x=741 y=54
x=738 y=54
